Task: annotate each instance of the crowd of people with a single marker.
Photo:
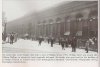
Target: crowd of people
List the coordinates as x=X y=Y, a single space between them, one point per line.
x=10 y=38
x=72 y=42
x=64 y=42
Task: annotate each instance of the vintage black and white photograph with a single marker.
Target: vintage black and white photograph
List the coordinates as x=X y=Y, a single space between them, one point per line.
x=30 y=26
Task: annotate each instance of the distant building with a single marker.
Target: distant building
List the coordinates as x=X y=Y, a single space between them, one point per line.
x=77 y=18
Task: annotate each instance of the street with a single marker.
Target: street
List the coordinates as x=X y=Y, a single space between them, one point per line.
x=29 y=46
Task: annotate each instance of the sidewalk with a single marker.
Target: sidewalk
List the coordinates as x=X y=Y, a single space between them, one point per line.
x=45 y=47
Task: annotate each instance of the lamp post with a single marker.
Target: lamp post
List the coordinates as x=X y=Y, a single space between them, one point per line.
x=5 y=25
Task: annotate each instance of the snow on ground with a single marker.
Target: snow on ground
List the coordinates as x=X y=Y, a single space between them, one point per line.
x=32 y=46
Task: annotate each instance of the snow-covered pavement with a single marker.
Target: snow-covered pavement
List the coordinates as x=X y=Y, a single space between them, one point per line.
x=24 y=46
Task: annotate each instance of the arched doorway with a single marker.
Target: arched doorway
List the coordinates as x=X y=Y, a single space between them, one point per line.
x=93 y=23
x=58 y=27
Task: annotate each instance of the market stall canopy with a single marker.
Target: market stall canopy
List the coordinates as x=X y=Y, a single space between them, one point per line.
x=79 y=33
x=26 y=34
x=67 y=33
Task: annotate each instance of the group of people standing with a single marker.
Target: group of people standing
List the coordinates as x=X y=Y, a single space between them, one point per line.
x=62 y=41
x=65 y=42
x=11 y=37
x=50 y=40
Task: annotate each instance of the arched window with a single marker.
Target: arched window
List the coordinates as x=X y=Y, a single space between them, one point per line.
x=44 y=21
x=93 y=13
x=58 y=19
x=93 y=23
x=79 y=17
x=50 y=21
x=67 y=19
x=78 y=24
x=39 y=22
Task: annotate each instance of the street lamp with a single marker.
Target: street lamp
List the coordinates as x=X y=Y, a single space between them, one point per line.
x=5 y=25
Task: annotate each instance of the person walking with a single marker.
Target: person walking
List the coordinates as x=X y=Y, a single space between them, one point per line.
x=66 y=43
x=40 y=40
x=11 y=38
x=73 y=44
x=63 y=44
x=48 y=40
x=52 y=41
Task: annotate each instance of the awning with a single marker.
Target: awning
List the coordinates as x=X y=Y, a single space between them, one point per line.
x=79 y=33
x=26 y=35
x=67 y=33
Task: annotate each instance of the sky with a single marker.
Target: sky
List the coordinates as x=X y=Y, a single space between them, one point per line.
x=18 y=8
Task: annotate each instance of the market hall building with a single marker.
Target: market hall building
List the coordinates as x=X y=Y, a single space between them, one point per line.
x=77 y=18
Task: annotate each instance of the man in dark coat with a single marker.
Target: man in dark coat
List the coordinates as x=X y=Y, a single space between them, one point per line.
x=11 y=38
x=63 y=43
x=52 y=41
x=48 y=40
x=40 y=40
x=73 y=44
